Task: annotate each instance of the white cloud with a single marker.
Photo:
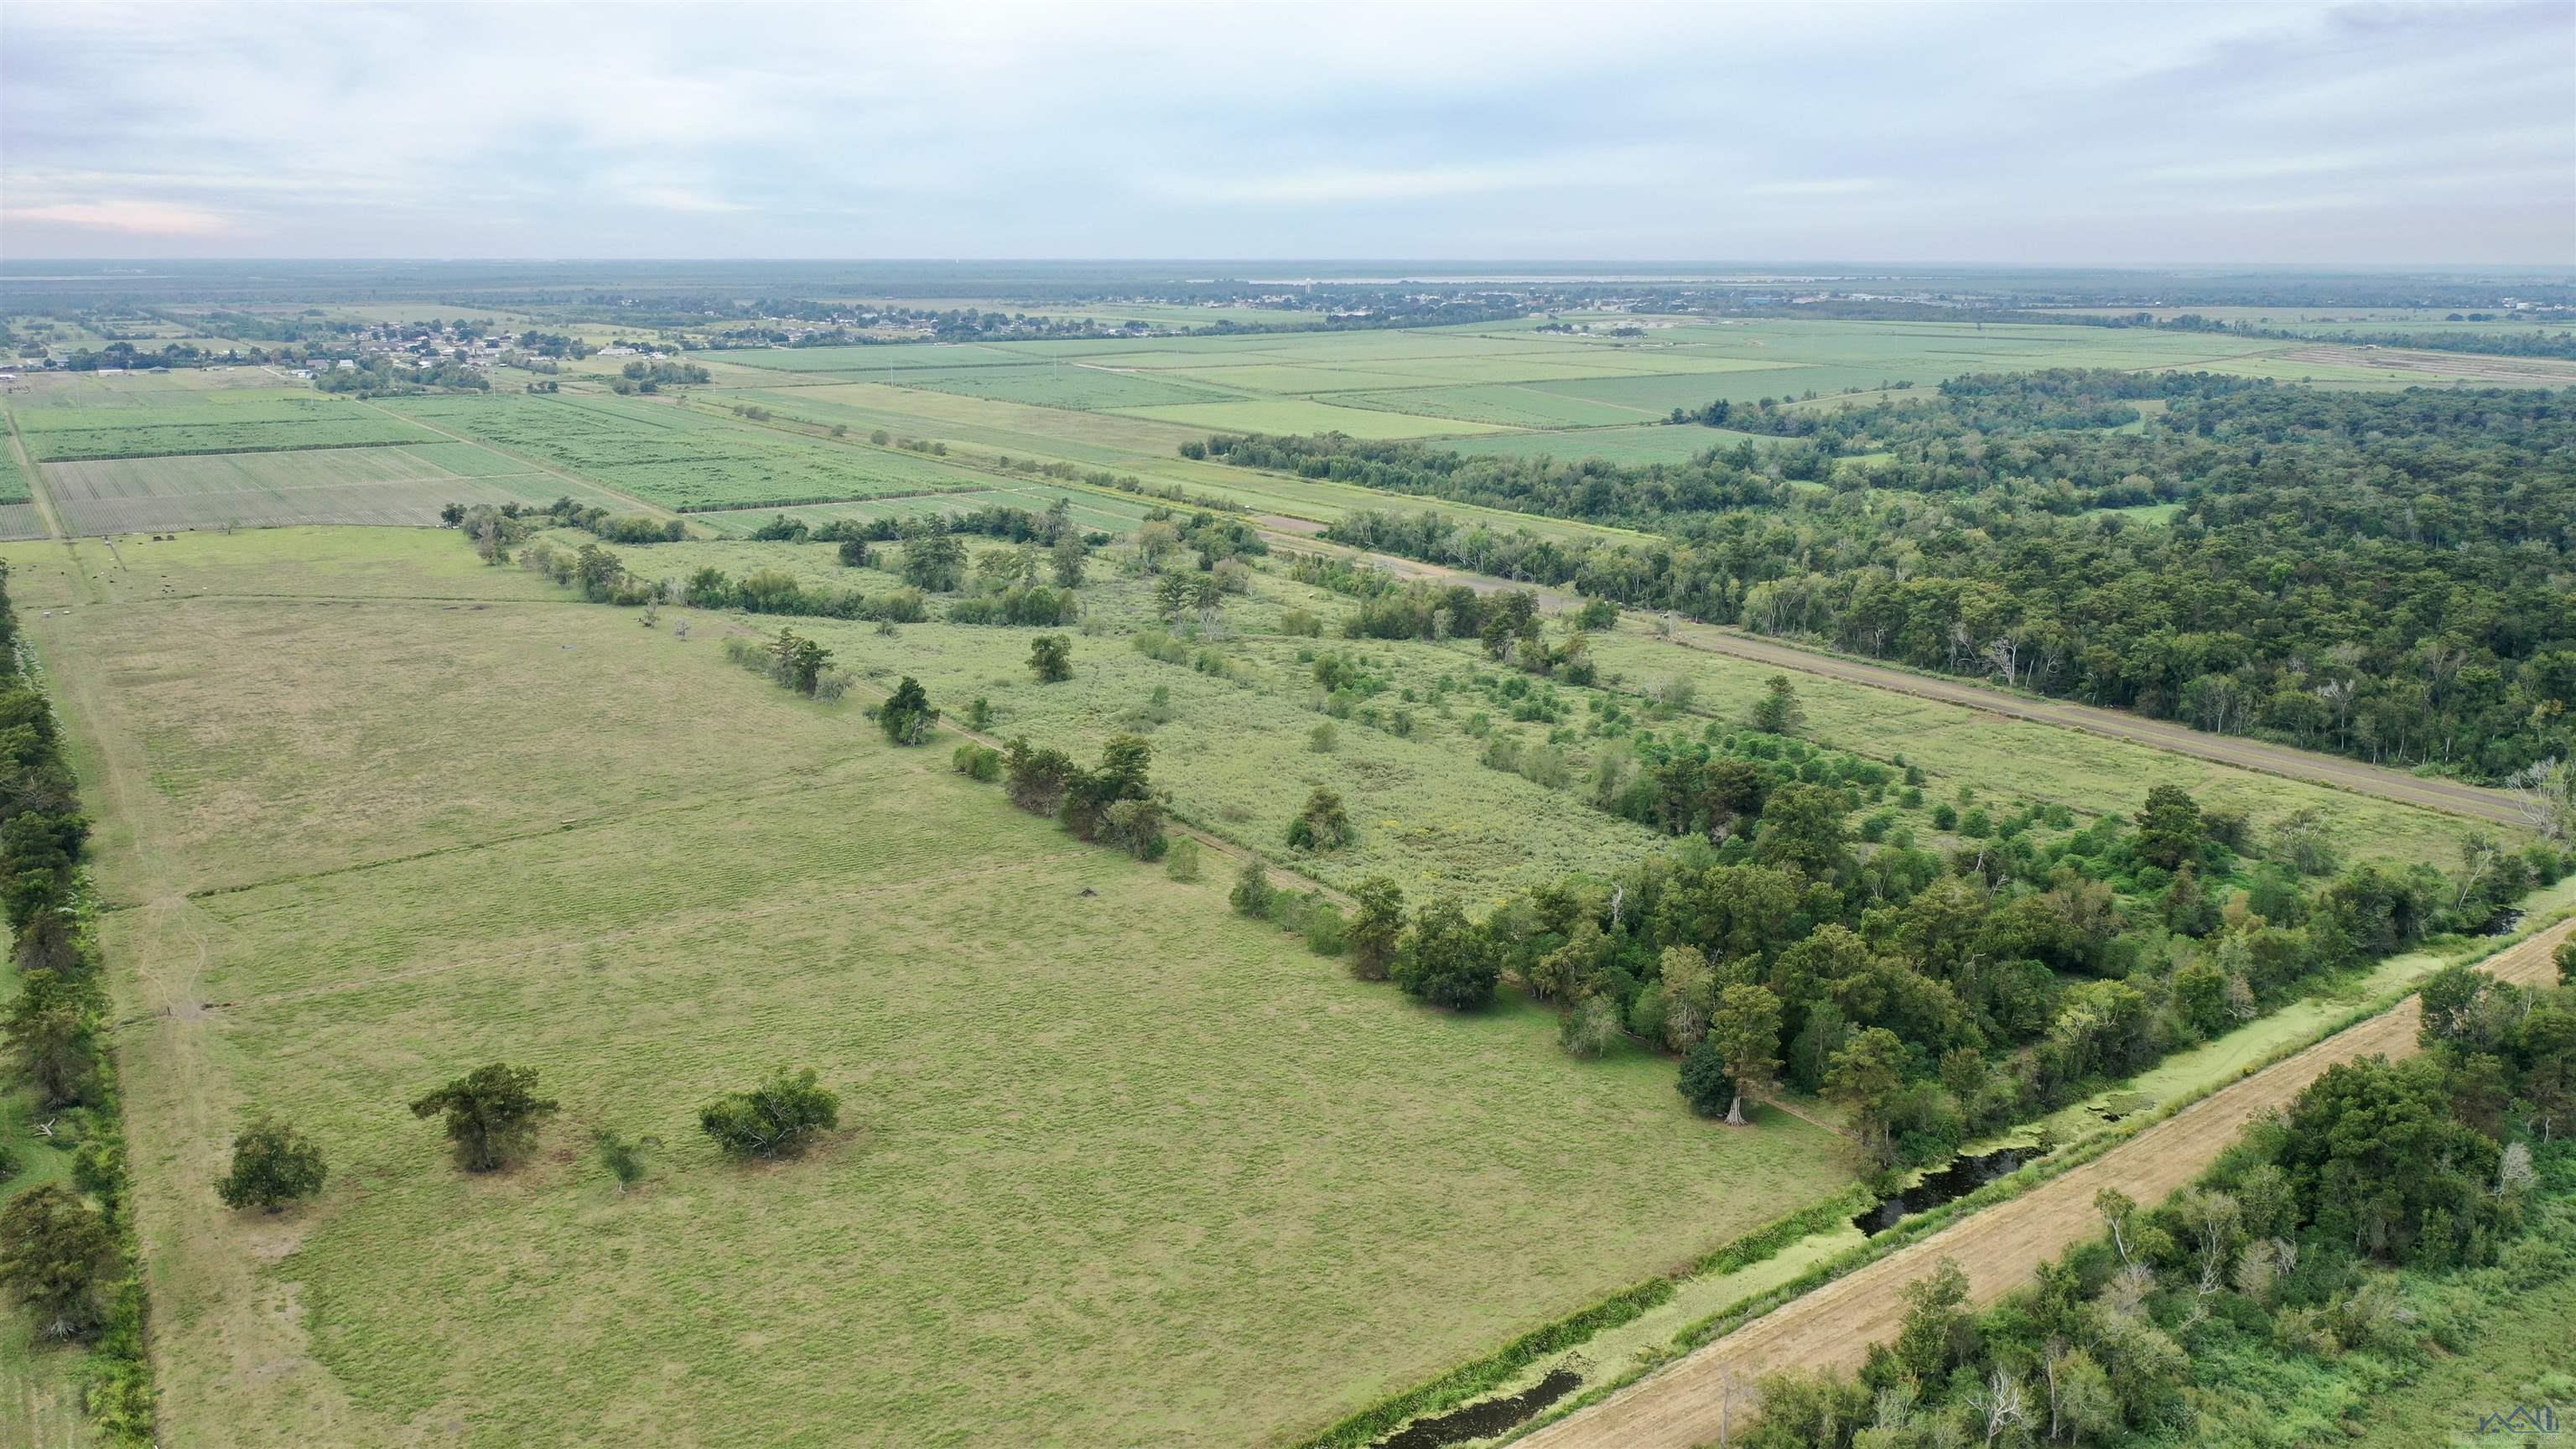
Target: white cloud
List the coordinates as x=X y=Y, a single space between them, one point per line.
x=1284 y=129
x=138 y=218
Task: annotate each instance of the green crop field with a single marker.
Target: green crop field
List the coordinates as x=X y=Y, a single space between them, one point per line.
x=1097 y=1132
x=1080 y=386
x=404 y=486
x=1518 y=405
x=664 y=454
x=13 y=478
x=195 y=423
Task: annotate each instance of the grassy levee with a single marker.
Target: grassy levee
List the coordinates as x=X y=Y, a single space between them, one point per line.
x=1117 y=1167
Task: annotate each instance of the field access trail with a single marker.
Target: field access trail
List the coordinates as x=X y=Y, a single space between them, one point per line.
x=1833 y=1327
x=2451 y=797
x=2474 y=801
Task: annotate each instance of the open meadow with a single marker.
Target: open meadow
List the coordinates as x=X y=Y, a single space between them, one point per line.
x=1116 y=1166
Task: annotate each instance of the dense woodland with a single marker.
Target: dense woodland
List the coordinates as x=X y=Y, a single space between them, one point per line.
x=2387 y=1220
x=2381 y=575
x=1937 y=995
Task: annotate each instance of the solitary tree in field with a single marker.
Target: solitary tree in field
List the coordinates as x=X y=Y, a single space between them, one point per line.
x=1778 y=711
x=775 y=1119
x=273 y=1165
x=492 y=1113
x=1747 y=1031
x=1051 y=658
x=56 y=1252
x=906 y=716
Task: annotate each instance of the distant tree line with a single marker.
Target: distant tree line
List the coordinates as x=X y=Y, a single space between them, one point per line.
x=2379 y=575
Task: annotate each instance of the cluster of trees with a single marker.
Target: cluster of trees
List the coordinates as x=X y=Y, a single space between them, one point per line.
x=776 y=591
x=1937 y=997
x=492 y=1116
x=1114 y=803
x=67 y=1251
x=643 y=376
x=614 y=528
x=2375 y=574
x=793 y=662
x=2185 y=1322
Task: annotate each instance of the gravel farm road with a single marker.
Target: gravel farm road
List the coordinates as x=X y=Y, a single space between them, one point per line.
x=1688 y=1403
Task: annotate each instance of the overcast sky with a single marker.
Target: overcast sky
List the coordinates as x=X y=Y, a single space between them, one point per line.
x=2065 y=132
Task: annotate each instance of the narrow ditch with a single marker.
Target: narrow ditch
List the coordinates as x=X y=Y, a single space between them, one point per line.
x=1483 y=1419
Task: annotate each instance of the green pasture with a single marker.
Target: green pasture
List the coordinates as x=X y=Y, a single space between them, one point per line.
x=196 y=423
x=2028 y=760
x=1116 y=1166
x=1078 y=386
x=653 y=450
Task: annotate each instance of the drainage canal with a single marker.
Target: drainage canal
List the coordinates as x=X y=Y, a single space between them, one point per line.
x=1483 y=1419
x=1960 y=1177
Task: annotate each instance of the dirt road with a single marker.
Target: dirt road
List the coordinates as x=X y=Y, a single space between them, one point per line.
x=2474 y=801
x=1833 y=1326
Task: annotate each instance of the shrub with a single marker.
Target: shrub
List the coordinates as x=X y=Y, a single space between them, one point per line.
x=622 y=1156
x=1705 y=1082
x=1183 y=862
x=775 y=1119
x=976 y=762
x=1323 y=825
x=1051 y=658
x=1252 y=893
x=273 y=1165
x=1326 y=933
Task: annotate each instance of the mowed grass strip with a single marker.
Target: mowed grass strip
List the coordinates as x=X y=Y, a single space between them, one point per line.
x=1120 y=1167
